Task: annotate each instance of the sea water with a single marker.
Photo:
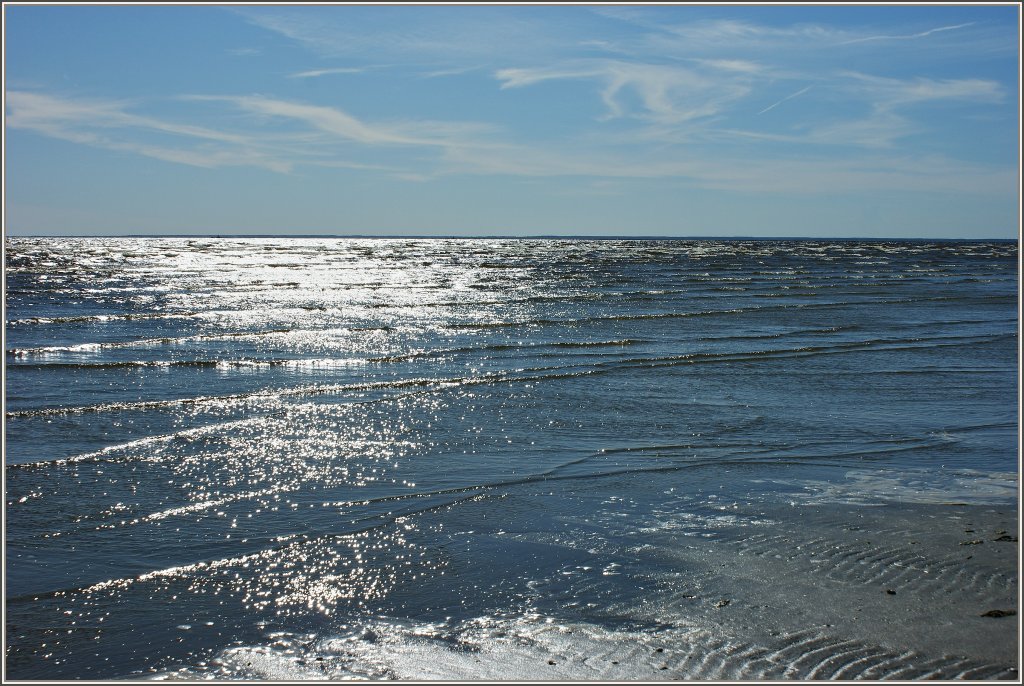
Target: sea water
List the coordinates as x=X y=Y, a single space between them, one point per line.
x=264 y=458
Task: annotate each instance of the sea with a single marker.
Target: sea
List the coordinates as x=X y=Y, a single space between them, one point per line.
x=510 y=459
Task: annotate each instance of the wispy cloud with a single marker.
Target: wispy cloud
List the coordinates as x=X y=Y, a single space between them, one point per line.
x=740 y=66
x=746 y=34
x=889 y=101
x=344 y=126
x=668 y=93
x=904 y=91
x=319 y=136
x=326 y=72
x=451 y=72
x=887 y=104
x=739 y=34
x=881 y=128
x=725 y=38
x=741 y=173
x=663 y=73
x=653 y=101
x=108 y=124
x=659 y=30
x=443 y=35
x=39 y=111
x=877 y=130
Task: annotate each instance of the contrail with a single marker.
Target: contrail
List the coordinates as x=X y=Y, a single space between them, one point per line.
x=913 y=35
x=799 y=92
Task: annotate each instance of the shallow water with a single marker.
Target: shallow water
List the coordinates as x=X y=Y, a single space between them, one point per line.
x=534 y=459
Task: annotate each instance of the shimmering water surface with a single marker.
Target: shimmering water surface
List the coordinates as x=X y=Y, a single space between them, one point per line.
x=544 y=459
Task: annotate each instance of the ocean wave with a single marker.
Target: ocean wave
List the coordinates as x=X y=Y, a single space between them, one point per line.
x=297 y=363
x=528 y=374
x=26 y=321
x=145 y=342
x=527 y=348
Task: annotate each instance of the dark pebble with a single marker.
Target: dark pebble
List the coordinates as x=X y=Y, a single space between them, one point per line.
x=890 y=591
x=551 y=662
x=999 y=613
x=659 y=650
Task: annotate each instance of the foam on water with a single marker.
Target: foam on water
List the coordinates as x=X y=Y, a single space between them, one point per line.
x=535 y=648
x=883 y=486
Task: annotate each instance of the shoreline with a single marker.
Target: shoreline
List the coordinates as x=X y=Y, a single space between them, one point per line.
x=762 y=590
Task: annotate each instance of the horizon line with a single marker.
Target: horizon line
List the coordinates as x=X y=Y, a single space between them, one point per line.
x=553 y=236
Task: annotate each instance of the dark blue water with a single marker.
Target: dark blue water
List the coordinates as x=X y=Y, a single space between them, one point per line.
x=264 y=458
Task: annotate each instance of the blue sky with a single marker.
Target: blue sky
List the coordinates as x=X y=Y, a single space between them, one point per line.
x=682 y=120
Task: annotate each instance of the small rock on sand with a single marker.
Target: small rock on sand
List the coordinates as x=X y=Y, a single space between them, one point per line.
x=999 y=613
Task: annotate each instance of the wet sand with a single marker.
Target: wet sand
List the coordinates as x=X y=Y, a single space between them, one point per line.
x=779 y=580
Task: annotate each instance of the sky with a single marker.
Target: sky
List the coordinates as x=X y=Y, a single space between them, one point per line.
x=624 y=120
